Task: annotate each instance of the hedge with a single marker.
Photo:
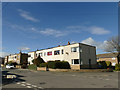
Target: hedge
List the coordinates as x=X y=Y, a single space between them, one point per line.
x=117 y=67
x=58 y=65
x=32 y=67
x=102 y=64
x=43 y=64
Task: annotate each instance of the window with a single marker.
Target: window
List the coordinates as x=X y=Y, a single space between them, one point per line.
x=62 y=51
x=113 y=58
x=29 y=55
x=49 y=53
x=57 y=52
x=44 y=53
x=97 y=58
x=15 y=56
x=74 y=49
x=40 y=54
x=75 y=61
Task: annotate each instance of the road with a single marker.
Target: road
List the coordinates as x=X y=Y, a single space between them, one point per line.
x=45 y=79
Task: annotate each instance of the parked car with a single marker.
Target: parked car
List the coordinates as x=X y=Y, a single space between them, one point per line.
x=9 y=66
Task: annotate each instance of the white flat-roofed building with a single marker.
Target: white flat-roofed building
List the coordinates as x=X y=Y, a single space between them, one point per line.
x=78 y=55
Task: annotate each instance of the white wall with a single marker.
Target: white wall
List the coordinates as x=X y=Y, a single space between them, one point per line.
x=88 y=52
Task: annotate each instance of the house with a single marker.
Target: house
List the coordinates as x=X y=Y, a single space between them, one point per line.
x=78 y=55
x=18 y=58
x=2 y=60
x=112 y=57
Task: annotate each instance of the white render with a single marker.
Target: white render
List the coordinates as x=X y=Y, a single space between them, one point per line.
x=32 y=56
x=84 y=53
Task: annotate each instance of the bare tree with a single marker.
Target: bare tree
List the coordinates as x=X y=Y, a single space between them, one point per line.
x=113 y=46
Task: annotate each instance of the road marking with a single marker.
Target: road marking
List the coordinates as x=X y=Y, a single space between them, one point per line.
x=40 y=87
x=23 y=84
x=34 y=85
x=28 y=83
x=18 y=83
x=107 y=79
x=73 y=75
x=29 y=87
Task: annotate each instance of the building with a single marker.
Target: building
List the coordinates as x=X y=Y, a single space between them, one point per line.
x=18 y=58
x=2 y=60
x=112 y=57
x=78 y=55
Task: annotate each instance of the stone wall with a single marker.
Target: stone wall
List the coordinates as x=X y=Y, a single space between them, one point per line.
x=77 y=67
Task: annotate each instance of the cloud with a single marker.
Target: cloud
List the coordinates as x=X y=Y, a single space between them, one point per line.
x=91 y=41
x=53 y=32
x=26 y=15
x=45 y=31
x=23 y=48
x=91 y=29
x=98 y=30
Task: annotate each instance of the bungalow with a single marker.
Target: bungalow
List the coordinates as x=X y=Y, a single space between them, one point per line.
x=112 y=57
x=78 y=55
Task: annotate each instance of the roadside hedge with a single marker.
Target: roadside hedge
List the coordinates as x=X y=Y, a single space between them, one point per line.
x=32 y=67
x=43 y=64
x=102 y=65
x=58 y=65
x=117 y=67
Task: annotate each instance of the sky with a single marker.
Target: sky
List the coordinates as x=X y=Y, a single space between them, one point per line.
x=31 y=26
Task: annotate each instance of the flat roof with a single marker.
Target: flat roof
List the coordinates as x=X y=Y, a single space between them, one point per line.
x=62 y=46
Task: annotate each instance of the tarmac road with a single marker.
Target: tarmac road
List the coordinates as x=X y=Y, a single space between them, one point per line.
x=45 y=79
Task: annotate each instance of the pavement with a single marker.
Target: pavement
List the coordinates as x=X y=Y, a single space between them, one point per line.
x=45 y=79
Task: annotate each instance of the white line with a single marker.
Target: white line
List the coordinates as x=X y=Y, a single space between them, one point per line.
x=34 y=85
x=28 y=84
x=18 y=83
x=23 y=84
x=29 y=87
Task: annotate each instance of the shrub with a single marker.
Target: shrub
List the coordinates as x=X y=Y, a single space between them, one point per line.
x=24 y=66
x=38 y=61
x=12 y=63
x=43 y=65
x=102 y=64
x=58 y=65
x=117 y=67
x=109 y=64
x=32 y=67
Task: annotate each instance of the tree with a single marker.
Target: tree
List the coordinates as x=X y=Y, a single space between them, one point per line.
x=38 y=61
x=113 y=46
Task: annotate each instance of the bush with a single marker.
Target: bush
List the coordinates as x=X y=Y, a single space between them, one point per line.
x=24 y=66
x=32 y=67
x=58 y=65
x=117 y=67
x=43 y=65
x=102 y=64
x=109 y=64
x=38 y=61
x=12 y=63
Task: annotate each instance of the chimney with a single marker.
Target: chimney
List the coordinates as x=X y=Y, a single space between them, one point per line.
x=68 y=43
